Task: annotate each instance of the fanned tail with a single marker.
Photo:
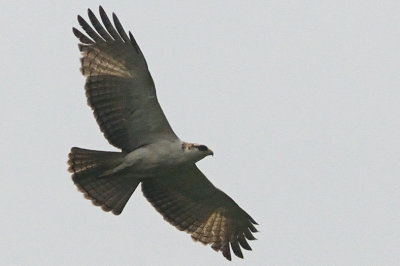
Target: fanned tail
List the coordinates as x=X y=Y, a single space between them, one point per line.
x=90 y=174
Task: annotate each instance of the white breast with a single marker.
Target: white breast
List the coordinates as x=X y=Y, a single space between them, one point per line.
x=158 y=155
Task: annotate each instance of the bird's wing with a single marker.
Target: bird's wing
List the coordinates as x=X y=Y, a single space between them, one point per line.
x=119 y=87
x=190 y=202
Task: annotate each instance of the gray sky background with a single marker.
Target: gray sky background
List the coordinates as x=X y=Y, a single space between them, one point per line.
x=298 y=99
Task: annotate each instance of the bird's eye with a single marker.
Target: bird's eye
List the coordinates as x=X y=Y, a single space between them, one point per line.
x=202 y=148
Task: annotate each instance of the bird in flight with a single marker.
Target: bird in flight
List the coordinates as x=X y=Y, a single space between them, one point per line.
x=122 y=95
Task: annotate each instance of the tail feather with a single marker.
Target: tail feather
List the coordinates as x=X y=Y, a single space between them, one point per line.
x=111 y=192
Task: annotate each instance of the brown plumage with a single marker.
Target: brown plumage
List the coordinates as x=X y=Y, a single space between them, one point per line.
x=121 y=93
x=194 y=205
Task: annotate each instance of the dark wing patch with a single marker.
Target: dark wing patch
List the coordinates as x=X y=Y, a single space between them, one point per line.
x=119 y=87
x=191 y=203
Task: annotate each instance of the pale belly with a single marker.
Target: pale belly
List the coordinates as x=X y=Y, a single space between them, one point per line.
x=152 y=161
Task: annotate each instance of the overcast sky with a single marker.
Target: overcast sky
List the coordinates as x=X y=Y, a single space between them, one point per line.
x=298 y=99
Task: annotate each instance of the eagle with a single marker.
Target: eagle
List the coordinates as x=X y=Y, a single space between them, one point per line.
x=122 y=95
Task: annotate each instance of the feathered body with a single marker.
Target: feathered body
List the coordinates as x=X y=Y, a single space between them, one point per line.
x=122 y=95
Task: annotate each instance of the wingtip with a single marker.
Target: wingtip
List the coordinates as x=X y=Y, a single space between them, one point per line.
x=239 y=254
x=252 y=228
x=243 y=242
x=81 y=20
x=90 y=12
x=252 y=220
x=102 y=12
x=115 y=18
x=131 y=36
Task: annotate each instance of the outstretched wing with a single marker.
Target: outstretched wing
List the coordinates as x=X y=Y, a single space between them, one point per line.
x=190 y=202
x=119 y=87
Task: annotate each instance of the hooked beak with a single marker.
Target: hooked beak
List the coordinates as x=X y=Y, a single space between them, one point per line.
x=210 y=152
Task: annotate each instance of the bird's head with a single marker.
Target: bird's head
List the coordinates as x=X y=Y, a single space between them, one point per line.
x=196 y=151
